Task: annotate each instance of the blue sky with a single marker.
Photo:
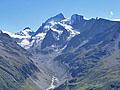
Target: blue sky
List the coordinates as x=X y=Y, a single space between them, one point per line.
x=15 y=15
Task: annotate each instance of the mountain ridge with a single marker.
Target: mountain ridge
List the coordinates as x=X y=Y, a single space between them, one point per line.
x=76 y=50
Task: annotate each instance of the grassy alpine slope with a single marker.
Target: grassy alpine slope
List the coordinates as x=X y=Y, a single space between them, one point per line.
x=15 y=65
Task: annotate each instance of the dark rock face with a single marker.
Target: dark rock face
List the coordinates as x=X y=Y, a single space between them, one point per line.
x=63 y=38
x=51 y=37
x=77 y=20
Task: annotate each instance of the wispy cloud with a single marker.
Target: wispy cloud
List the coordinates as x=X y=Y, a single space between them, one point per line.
x=111 y=13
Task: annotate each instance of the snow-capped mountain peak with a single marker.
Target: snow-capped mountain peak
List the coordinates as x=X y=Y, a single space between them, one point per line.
x=56 y=18
x=22 y=37
x=56 y=32
x=25 y=32
x=57 y=27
